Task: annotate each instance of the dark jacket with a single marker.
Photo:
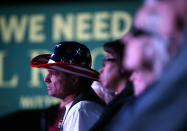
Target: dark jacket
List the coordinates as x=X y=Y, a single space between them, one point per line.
x=113 y=107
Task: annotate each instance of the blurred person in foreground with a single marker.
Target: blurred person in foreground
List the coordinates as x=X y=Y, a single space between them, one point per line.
x=115 y=80
x=146 y=55
x=141 y=52
x=151 y=17
x=154 y=41
x=159 y=18
x=69 y=78
x=162 y=106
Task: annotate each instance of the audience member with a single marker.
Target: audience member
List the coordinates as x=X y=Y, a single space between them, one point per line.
x=145 y=56
x=116 y=80
x=162 y=106
x=111 y=75
x=69 y=78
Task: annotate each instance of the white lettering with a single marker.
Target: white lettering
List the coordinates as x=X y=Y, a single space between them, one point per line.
x=35 y=81
x=13 y=27
x=83 y=26
x=101 y=26
x=62 y=26
x=6 y=84
x=36 y=29
x=118 y=18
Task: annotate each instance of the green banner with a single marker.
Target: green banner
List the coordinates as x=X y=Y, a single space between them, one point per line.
x=29 y=30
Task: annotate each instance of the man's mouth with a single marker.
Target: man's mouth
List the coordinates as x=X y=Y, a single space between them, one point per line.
x=100 y=79
x=48 y=88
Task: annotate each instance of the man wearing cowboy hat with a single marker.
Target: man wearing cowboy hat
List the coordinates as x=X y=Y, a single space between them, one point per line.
x=69 y=78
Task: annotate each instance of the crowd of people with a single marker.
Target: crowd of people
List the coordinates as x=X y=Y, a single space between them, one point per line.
x=142 y=85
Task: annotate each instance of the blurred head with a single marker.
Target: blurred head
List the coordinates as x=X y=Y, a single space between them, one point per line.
x=145 y=55
x=152 y=17
x=179 y=5
x=111 y=73
x=134 y=54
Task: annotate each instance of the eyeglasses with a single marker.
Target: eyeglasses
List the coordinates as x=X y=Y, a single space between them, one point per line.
x=105 y=60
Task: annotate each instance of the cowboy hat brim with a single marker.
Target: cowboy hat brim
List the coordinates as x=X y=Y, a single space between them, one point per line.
x=41 y=61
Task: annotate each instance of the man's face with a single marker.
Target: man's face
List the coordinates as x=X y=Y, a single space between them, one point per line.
x=59 y=84
x=109 y=73
x=134 y=53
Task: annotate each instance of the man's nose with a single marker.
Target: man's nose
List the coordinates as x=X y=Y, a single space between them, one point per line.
x=133 y=77
x=101 y=70
x=47 y=78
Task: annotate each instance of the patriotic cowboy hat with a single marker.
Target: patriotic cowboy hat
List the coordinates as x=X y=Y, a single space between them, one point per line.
x=70 y=57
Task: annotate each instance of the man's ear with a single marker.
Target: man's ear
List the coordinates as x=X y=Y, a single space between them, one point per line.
x=75 y=80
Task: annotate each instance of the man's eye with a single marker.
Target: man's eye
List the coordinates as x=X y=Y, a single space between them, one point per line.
x=52 y=72
x=109 y=60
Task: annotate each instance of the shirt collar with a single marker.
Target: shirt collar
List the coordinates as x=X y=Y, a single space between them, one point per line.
x=68 y=106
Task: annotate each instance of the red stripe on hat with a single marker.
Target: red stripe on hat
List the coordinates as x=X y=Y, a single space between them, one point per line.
x=41 y=61
x=91 y=74
x=75 y=71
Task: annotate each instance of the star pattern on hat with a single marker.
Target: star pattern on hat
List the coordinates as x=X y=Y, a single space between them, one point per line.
x=58 y=45
x=52 y=55
x=70 y=61
x=71 y=57
x=71 y=53
x=63 y=59
x=78 y=51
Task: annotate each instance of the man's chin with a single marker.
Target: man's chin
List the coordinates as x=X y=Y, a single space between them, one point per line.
x=51 y=94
